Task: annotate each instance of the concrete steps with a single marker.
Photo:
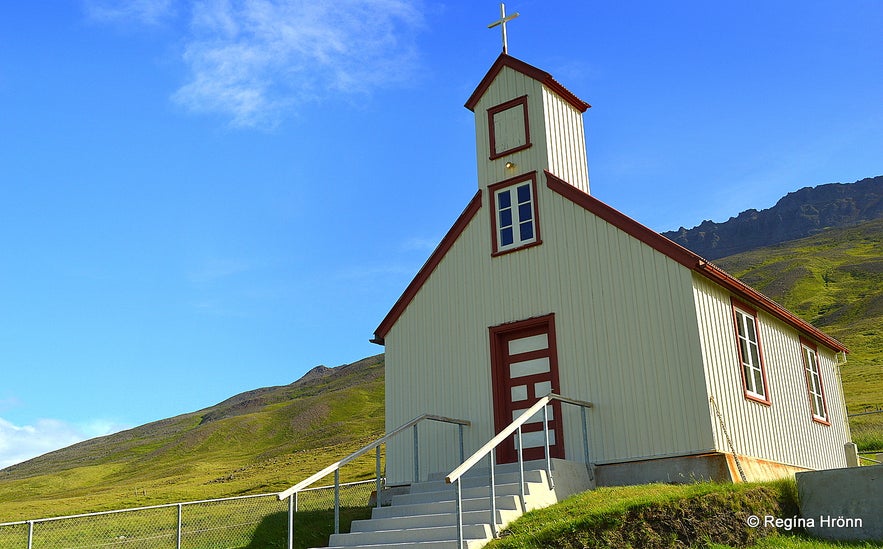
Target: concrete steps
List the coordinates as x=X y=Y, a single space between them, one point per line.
x=426 y=518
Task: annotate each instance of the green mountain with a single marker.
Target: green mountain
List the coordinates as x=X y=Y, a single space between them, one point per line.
x=255 y=442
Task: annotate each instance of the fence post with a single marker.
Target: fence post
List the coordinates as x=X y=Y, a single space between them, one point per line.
x=337 y=501
x=292 y=507
x=180 y=524
x=30 y=534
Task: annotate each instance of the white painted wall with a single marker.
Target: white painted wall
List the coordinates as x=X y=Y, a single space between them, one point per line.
x=784 y=431
x=626 y=332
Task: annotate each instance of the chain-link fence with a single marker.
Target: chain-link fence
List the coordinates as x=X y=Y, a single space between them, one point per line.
x=246 y=522
x=314 y=516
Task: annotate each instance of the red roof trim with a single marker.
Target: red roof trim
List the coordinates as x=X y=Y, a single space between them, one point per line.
x=623 y=222
x=541 y=76
x=426 y=270
x=688 y=259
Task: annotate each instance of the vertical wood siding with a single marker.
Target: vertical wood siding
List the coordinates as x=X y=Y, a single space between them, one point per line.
x=784 y=431
x=565 y=141
x=556 y=133
x=626 y=331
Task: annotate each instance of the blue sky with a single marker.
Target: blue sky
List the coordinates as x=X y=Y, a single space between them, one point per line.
x=199 y=198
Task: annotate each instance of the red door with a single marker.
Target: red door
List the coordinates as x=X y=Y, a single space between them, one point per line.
x=524 y=368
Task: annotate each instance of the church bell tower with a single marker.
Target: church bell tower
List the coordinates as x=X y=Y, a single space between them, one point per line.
x=525 y=121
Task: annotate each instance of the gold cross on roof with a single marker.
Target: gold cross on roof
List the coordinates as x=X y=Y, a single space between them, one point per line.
x=502 y=23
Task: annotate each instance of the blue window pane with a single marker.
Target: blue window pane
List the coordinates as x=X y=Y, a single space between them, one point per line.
x=523 y=193
x=526 y=231
x=506 y=236
x=524 y=212
x=504 y=200
x=506 y=217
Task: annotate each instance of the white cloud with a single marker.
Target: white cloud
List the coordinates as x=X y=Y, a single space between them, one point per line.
x=417 y=244
x=257 y=61
x=21 y=443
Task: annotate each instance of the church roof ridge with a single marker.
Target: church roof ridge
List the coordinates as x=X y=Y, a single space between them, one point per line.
x=506 y=60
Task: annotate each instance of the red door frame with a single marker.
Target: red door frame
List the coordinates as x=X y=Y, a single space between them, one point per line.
x=501 y=383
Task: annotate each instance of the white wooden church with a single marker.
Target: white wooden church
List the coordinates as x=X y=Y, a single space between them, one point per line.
x=540 y=288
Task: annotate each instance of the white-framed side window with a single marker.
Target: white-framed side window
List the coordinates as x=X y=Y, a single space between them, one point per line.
x=515 y=220
x=814 y=381
x=754 y=381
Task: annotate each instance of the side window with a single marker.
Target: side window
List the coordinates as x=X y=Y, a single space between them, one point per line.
x=754 y=382
x=515 y=220
x=814 y=381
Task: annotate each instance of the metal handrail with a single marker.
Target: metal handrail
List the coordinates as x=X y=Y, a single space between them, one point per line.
x=489 y=447
x=376 y=444
x=291 y=493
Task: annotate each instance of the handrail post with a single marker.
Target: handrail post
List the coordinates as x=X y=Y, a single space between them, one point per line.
x=459 y=515
x=546 y=436
x=180 y=524
x=462 y=453
x=377 y=472
x=521 y=472
x=337 y=501
x=493 y=495
x=585 y=434
x=416 y=456
x=292 y=508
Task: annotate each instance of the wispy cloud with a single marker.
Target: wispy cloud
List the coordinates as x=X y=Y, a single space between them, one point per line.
x=21 y=443
x=258 y=61
x=217 y=269
x=418 y=244
x=150 y=12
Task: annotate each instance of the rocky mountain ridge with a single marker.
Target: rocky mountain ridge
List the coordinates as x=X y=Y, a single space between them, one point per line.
x=798 y=214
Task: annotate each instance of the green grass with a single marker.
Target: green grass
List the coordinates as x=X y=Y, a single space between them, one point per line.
x=654 y=515
x=798 y=541
x=662 y=516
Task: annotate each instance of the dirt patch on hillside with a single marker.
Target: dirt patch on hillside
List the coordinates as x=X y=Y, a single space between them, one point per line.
x=718 y=517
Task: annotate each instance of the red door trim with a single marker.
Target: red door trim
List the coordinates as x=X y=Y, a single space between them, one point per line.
x=499 y=383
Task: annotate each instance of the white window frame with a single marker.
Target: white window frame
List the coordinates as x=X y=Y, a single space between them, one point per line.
x=812 y=370
x=512 y=189
x=750 y=354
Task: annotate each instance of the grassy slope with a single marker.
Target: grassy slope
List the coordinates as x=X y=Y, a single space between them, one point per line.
x=659 y=515
x=260 y=441
x=834 y=280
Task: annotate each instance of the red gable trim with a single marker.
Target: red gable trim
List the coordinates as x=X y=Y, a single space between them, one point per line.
x=426 y=270
x=529 y=70
x=688 y=259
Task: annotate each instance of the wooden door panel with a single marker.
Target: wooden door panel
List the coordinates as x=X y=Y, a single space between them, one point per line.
x=525 y=369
